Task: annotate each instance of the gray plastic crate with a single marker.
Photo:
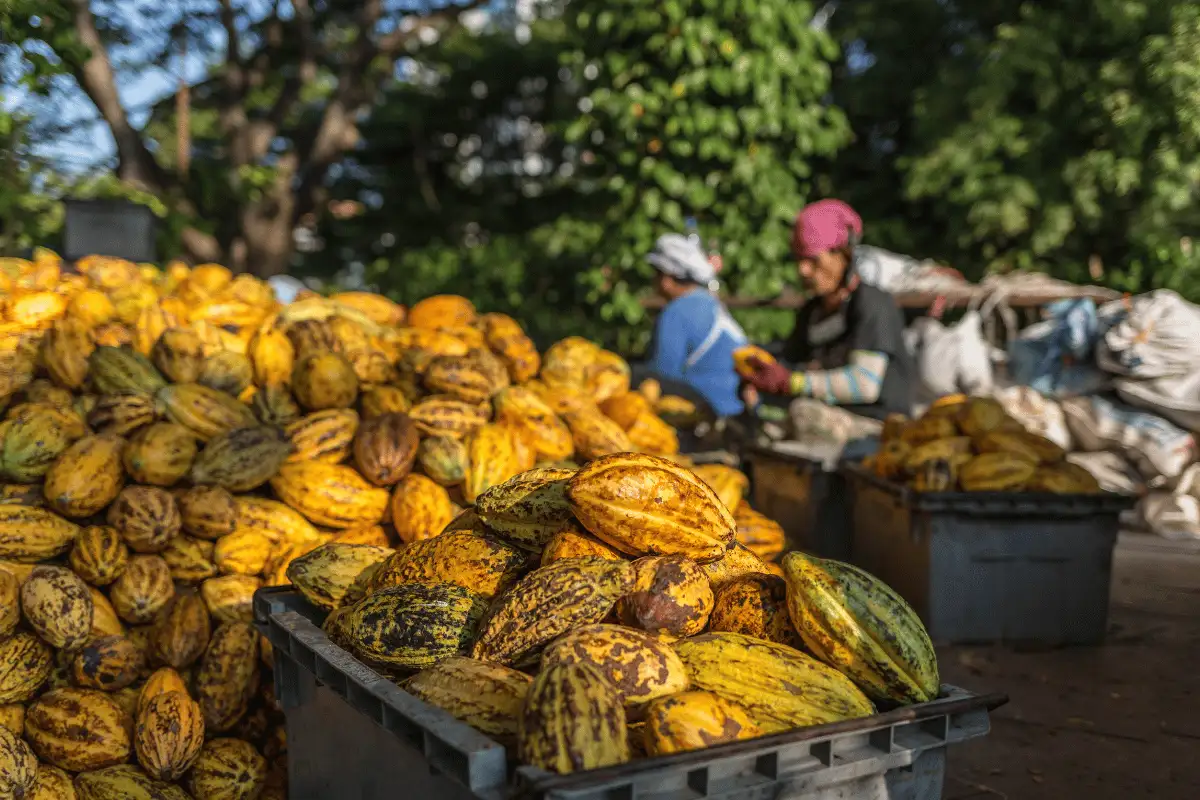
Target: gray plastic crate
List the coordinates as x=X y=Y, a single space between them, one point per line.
x=991 y=566
x=354 y=734
x=808 y=497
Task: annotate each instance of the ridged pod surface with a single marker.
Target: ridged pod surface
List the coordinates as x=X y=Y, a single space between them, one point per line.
x=651 y=434
x=548 y=602
x=330 y=495
x=323 y=379
x=573 y=542
x=228 y=769
x=413 y=627
x=640 y=667
x=754 y=605
x=524 y=409
x=18 y=767
x=779 y=687
x=65 y=351
x=444 y=460
x=168 y=735
x=730 y=484
x=272 y=356
x=160 y=454
x=671 y=597
x=242 y=460
x=144 y=589
x=180 y=636
x=1063 y=478
x=208 y=512
x=486 y=696
x=462 y=378
x=227 y=677
x=508 y=341
x=108 y=664
x=274 y=405
x=482 y=564
x=441 y=311
x=179 y=354
x=243 y=552
x=336 y=574
x=86 y=477
x=120 y=370
x=645 y=505
x=25 y=665
x=34 y=534
x=146 y=517
x=122 y=414
x=694 y=721
x=161 y=681
x=190 y=559
x=490 y=460
x=227 y=371
x=125 y=782
x=10 y=603
x=759 y=533
x=738 y=562
x=996 y=472
x=230 y=598
x=323 y=436
x=77 y=730
x=57 y=605
x=421 y=509
x=528 y=508
x=278 y=522
x=31 y=441
x=596 y=435
x=384 y=400
x=385 y=448
x=856 y=622
x=1020 y=443
x=573 y=720
x=443 y=416
x=206 y=412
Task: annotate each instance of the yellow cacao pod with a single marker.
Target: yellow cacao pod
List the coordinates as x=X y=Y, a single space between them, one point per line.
x=160 y=454
x=414 y=626
x=421 y=509
x=242 y=460
x=206 y=412
x=596 y=435
x=330 y=495
x=143 y=590
x=146 y=517
x=168 y=735
x=208 y=512
x=77 y=730
x=529 y=508
x=99 y=555
x=996 y=472
x=644 y=505
x=179 y=355
x=228 y=768
x=228 y=675
x=639 y=666
x=333 y=575
x=273 y=358
x=34 y=534
x=86 y=477
x=108 y=664
x=442 y=311
x=490 y=460
x=324 y=379
x=441 y=416
x=730 y=484
x=471 y=560
x=695 y=721
x=58 y=607
x=323 y=436
x=573 y=721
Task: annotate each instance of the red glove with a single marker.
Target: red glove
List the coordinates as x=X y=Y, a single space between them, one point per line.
x=771 y=378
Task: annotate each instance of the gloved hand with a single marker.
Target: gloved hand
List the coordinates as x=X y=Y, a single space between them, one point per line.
x=771 y=378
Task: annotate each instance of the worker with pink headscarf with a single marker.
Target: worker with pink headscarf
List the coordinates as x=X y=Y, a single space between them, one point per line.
x=849 y=335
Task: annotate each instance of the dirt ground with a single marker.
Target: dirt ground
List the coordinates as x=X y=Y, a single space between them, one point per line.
x=1118 y=721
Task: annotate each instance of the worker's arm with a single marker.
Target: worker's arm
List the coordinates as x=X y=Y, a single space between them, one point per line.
x=858 y=383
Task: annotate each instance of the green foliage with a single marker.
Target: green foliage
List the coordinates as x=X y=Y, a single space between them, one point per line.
x=710 y=108
x=28 y=216
x=1037 y=137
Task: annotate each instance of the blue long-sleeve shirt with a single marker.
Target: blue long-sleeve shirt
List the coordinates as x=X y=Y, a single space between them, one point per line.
x=687 y=325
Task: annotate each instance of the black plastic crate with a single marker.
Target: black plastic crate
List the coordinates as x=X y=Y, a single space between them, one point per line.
x=352 y=733
x=809 y=498
x=984 y=567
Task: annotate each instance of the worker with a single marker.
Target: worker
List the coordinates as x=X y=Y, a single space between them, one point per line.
x=849 y=335
x=695 y=336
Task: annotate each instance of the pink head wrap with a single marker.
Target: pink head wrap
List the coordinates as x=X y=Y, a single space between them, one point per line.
x=822 y=226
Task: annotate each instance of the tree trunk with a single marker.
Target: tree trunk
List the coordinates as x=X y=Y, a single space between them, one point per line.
x=267 y=228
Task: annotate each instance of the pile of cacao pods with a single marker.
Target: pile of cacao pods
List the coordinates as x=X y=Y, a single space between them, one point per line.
x=972 y=444
x=174 y=439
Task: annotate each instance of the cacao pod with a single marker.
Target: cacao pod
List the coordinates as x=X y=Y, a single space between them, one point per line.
x=996 y=472
x=759 y=533
x=548 y=602
x=274 y=405
x=857 y=623
x=442 y=311
x=273 y=358
x=330 y=495
x=573 y=721
x=595 y=435
x=18 y=766
x=125 y=782
x=639 y=666
x=414 y=626
x=58 y=606
x=120 y=370
x=754 y=605
x=738 y=562
x=169 y=735
x=441 y=416
x=25 y=665
x=227 y=677
x=574 y=543
x=108 y=664
x=730 y=484
x=529 y=508
x=179 y=355
x=695 y=721
x=34 y=534
x=144 y=589
x=443 y=459
x=189 y=559
x=243 y=552
x=671 y=597
x=242 y=460
x=333 y=575
x=181 y=634
x=488 y=697
x=480 y=563
x=324 y=379
x=146 y=517
x=420 y=509
x=490 y=460
x=645 y=505
x=208 y=512
x=976 y=416
x=77 y=730
x=86 y=477
x=160 y=454
x=524 y=410
x=228 y=769
x=206 y=412
x=323 y=436
x=31 y=440
x=10 y=603
x=1063 y=478
x=122 y=414
x=380 y=400
x=385 y=448
x=230 y=598
x=227 y=372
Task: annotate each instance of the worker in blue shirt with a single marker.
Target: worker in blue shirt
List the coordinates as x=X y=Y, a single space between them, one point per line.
x=695 y=336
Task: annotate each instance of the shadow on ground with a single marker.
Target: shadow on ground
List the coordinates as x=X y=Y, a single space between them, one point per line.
x=1119 y=721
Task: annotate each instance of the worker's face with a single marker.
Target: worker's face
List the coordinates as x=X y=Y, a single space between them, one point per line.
x=667 y=287
x=822 y=274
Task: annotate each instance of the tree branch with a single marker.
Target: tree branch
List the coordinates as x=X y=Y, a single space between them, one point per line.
x=338 y=130
x=135 y=163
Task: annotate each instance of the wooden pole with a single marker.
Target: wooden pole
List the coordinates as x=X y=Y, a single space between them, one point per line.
x=183 y=113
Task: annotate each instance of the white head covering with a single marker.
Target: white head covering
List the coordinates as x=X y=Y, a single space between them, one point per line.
x=682 y=259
